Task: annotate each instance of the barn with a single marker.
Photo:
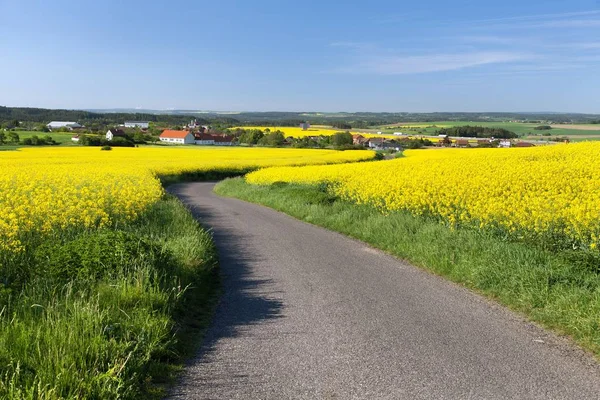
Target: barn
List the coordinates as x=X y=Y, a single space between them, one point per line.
x=176 y=137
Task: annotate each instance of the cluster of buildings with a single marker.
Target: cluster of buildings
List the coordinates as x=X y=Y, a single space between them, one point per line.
x=201 y=137
x=376 y=143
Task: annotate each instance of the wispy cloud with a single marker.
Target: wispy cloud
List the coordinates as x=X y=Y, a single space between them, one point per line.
x=567 y=23
x=397 y=65
x=541 y=16
x=353 y=45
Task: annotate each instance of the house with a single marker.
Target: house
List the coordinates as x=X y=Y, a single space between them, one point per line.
x=358 y=139
x=304 y=126
x=63 y=124
x=524 y=144
x=461 y=143
x=112 y=133
x=137 y=124
x=176 y=137
x=382 y=144
x=504 y=143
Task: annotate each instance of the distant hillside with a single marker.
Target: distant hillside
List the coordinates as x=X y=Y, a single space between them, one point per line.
x=42 y=115
x=232 y=118
x=367 y=118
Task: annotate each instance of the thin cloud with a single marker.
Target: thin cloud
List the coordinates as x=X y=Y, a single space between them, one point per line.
x=352 y=45
x=541 y=16
x=488 y=39
x=568 y=23
x=398 y=65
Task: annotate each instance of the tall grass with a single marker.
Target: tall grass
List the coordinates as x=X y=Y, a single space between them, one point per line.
x=105 y=334
x=558 y=288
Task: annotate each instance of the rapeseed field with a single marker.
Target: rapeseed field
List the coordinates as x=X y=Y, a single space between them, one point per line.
x=546 y=193
x=56 y=188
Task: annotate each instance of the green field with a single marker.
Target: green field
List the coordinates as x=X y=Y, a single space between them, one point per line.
x=60 y=137
x=526 y=130
x=64 y=138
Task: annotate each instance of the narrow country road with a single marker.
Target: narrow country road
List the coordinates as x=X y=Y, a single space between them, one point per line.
x=310 y=314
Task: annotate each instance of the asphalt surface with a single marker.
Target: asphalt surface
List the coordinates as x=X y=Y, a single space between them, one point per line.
x=310 y=314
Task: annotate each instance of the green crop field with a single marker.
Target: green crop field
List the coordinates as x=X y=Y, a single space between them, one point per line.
x=526 y=130
x=60 y=137
x=64 y=138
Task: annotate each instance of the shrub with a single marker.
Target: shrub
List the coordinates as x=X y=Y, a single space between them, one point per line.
x=106 y=147
x=97 y=255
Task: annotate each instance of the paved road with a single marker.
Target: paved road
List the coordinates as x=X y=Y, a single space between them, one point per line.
x=310 y=314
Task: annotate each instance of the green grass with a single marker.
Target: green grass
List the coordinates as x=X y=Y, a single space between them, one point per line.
x=63 y=138
x=559 y=289
x=72 y=328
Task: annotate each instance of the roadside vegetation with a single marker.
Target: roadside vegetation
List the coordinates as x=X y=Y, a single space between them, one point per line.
x=105 y=313
x=555 y=287
x=107 y=281
x=519 y=225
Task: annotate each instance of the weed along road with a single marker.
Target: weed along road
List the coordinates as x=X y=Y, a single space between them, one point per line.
x=310 y=314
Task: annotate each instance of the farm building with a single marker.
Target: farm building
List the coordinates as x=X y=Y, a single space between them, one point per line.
x=213 y=139
x=137 y=124
x=176 y=137
x=358 y=139
x=304 y=126
x=461 y=143
x=524 y=144
x=75 y=138
x=382 y=144
x=204 y=139
x=63 y=124
x=112 y=133
x=223 y=140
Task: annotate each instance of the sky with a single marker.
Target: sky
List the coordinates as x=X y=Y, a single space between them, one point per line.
x=392 y=56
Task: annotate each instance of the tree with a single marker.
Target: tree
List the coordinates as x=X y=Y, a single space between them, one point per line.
x=139 y=137
x=48 y=140
x=13 y=137
x=341 y=125
x=251 y=136
x=340 y=139
x=2 y=137
x=272 y=139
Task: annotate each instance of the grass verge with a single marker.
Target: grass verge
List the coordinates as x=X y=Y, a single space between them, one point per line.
x=109 y=313
x=559 y=289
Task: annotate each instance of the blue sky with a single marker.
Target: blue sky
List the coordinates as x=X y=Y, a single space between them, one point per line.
x=302 y=55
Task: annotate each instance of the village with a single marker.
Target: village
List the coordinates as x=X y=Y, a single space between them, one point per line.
x=194 y=133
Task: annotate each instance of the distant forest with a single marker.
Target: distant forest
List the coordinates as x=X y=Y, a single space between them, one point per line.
x=42 y=115
x=340 y=120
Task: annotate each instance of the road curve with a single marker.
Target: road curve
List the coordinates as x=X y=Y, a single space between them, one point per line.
x=310 y=314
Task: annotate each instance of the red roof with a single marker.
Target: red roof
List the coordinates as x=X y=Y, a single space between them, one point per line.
x=524 y=144
x=168 y=133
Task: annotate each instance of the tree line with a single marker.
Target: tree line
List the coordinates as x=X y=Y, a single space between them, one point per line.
x=478 y=132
